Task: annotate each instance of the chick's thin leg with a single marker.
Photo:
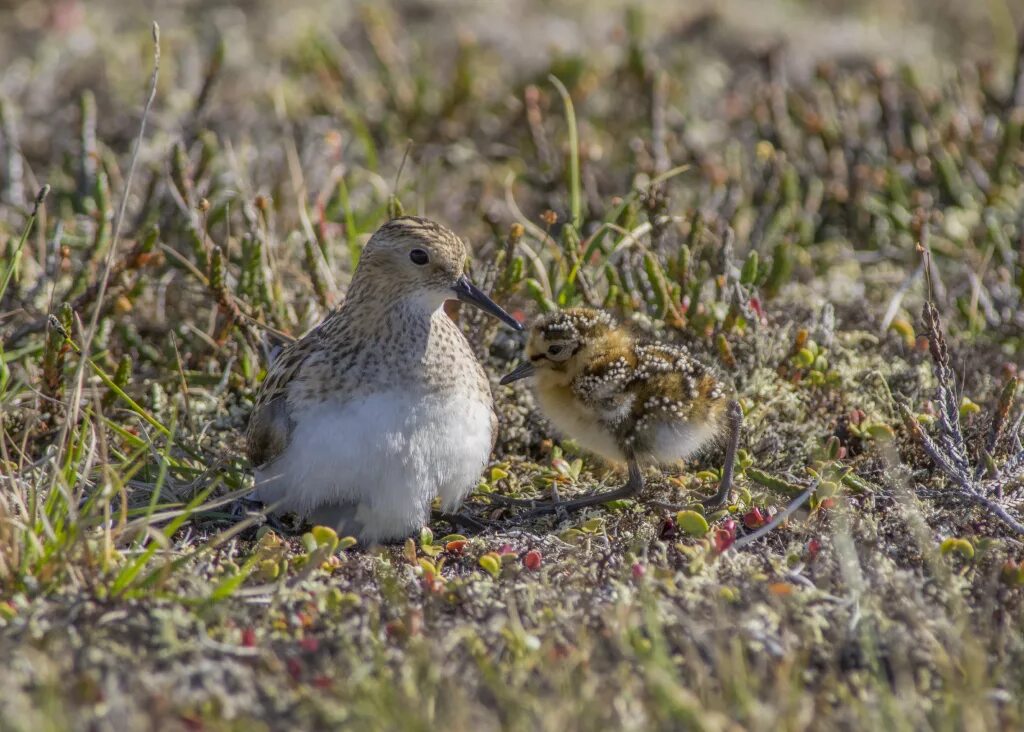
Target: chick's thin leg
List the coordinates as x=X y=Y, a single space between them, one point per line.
x=633 y=486
x=498 y=500
x=735 y=418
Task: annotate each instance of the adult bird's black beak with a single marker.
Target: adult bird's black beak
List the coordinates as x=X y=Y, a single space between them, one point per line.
x=466 y=291
x=521 y=372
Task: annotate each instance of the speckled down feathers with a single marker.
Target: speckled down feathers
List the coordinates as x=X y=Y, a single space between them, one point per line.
x=653 y=400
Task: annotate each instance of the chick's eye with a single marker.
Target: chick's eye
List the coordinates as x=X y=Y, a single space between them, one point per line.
x=418 y=256
x=554 y=350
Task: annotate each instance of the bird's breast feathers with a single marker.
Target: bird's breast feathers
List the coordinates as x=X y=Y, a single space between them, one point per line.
x=573 y=418
x=391 y=452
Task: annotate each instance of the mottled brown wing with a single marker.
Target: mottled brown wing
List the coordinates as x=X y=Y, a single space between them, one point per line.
x=602 y=386
x=270 y=425
x=669 y=375
x=270 y=430
x=662 y=358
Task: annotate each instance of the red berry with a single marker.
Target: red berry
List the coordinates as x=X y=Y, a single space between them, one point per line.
x=455 y=547
x=723 y=540
x=755 y=518
x=639 y=571
x=813 y=547
x=309 y=644
x=248 y=637
x=755 y=305
x=532 y=560
x=725 y=535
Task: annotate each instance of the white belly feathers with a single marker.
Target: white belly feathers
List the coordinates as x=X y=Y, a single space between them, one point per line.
x=386 y=455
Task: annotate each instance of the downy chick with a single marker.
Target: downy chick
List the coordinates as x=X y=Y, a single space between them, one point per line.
x=628 y=401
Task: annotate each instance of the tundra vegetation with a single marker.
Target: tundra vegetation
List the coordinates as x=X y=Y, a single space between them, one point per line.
x=824 y=200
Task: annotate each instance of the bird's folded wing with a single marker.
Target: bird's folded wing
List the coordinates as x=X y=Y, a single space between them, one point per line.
x=270 y=425
x=604 y=388
x=270 y=430
x=662 y=358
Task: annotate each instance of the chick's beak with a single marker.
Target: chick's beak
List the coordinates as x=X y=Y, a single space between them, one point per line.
x=466 y=291
x=521 y=372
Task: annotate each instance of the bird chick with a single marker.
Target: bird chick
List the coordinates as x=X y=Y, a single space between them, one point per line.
x=625 y=400
x=382 y=407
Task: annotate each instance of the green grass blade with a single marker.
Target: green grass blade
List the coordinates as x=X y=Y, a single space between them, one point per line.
x=12 y=265
x=575 y=200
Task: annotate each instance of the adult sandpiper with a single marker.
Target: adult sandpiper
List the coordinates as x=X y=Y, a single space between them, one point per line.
x=361 y=423
x=628 y=401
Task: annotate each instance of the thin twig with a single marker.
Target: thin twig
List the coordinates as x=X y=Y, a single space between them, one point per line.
x=779 y=518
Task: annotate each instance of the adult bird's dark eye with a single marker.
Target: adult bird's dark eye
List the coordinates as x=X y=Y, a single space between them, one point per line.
x=554 y=350
x=418 y=256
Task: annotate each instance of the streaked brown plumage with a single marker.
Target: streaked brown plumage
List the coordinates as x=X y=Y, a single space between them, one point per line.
x=362 y=422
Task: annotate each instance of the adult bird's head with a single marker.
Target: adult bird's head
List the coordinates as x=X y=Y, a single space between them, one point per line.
x=419 y=262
